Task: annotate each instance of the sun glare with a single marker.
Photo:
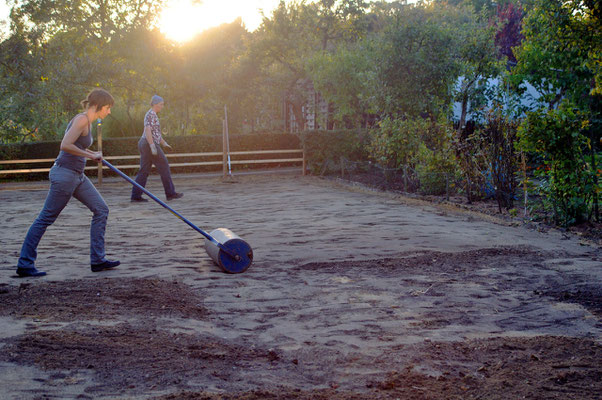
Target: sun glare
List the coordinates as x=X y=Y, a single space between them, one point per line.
x=183 y=19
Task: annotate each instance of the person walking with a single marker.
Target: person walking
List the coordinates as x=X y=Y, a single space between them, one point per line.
x=67 y=180
x=151 y=152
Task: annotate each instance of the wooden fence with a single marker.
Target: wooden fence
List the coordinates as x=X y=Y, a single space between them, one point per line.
x=226 y=154
x=292 y=152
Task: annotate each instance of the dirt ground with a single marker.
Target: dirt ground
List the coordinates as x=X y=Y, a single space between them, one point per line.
x=353 y=294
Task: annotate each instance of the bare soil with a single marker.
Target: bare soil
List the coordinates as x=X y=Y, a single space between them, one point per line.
x=506 y=320
x=534 y=217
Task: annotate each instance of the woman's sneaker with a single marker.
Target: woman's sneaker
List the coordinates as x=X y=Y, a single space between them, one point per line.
x=175 y=196
x=105 y=265
x=27 y=272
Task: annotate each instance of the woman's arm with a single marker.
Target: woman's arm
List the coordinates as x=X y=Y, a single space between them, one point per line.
x=79 y=125
x=148 y=135
x=165 y=144
x=149 y=138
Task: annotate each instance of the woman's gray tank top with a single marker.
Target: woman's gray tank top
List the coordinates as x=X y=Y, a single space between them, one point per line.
x=71 y=161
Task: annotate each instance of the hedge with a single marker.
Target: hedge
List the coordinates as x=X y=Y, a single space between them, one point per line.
x=180 y=144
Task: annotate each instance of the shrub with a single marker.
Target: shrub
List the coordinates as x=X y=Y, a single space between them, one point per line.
x=396 y=142
x=567 y=177
x=326 y=147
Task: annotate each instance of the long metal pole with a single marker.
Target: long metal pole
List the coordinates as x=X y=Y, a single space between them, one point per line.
x=99 y=140
x=174 y=212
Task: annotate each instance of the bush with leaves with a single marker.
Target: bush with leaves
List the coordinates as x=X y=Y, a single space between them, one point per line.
x=416 y=144
x=498 y=138
x=326 y=147
x=395 y=142
x=436 y=165
x=568 y=179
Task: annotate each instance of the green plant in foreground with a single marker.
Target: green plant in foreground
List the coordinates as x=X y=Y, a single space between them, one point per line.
x=567 y=178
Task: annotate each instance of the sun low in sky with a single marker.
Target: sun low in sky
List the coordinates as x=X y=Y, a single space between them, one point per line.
x=181 y=20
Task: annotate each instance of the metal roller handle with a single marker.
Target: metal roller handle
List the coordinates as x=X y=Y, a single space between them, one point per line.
x=174 y=212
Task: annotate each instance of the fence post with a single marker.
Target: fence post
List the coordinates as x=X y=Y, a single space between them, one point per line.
x=405 y=178
x=304 y=164
x=525 y=192
x=447 y=186
x=224 y=158
x=99 y=140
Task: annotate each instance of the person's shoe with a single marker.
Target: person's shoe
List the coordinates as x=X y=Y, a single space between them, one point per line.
x=105 y=265
x=140 y=200
x=175 y=196
x=27 y=272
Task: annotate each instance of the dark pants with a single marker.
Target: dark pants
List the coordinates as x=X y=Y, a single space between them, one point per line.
x=146 y=162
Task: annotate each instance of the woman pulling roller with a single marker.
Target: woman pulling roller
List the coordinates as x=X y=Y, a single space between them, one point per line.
x=67 y=180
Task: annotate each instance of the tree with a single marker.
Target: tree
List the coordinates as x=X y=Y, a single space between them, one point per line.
x=561 y=50
x=26 y=90
x=296 y=31
x=102 y=20
x=60 y=50
x=487 y=8
x=509 y=22
x=346 y=79
x=416 y=61
x=568 y=183
x=478 y=59
x=336 y=20
x=560 y=56
x=282 y=42
x=210 y=78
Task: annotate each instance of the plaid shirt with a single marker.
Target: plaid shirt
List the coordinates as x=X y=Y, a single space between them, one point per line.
x=151 y=119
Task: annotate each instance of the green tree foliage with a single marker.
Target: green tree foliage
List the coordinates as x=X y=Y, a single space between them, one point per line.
x=409 y=67
x=488 y=8
x=296 y=31
x=346 y=79
x=418 y=146
x=24 y=91
x=561 y=58
x=208 y=78
x=407 y=74
x=478 y=58
x=568 y=180
x=281 y=43
x=60 y=50
x=416 y=61
x=562 y=52
x=397 y=141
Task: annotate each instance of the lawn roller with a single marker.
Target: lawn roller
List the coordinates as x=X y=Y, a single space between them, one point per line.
x=228 y=251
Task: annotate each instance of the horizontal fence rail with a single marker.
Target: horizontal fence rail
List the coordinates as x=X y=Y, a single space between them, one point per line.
x=300 y=159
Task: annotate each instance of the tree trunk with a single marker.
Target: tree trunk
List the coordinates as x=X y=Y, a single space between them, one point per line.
x=131 y=124
x=595 y=168
x=463 y=115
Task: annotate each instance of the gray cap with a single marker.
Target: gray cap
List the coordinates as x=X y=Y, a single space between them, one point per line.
x=156 y=100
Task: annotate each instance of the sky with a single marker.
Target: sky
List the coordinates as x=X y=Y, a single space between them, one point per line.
x=4 y=11
x=183 y=19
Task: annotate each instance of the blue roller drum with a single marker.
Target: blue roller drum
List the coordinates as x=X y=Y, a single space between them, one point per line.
x=228 y=251
x=240 y=254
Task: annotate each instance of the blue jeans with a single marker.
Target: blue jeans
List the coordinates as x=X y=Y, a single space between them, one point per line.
x=146 y=163
x=64 y=184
